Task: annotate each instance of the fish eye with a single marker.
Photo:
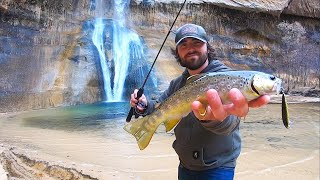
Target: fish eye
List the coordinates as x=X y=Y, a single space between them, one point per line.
x=272 y=78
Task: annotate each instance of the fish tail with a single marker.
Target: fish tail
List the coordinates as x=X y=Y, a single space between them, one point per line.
x=142 y=134
x=170 y=124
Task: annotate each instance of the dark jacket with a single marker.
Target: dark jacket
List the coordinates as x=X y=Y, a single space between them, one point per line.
x=203 y=145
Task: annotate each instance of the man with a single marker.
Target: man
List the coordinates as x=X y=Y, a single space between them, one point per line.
x=207 y=139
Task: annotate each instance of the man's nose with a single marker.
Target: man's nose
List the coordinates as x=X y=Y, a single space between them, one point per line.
x=190 y=48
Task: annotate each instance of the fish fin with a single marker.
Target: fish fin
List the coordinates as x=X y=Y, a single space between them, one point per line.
x=142 y=135
x=285 y=112
x=170 y=124
x=194 y=77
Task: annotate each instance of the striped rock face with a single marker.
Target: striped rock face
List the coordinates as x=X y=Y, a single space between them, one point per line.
x=252 y=84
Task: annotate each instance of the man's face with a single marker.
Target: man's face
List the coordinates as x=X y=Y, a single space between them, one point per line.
x=192 y=52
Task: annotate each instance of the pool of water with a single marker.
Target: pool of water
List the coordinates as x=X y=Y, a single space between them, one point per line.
x=77 y=118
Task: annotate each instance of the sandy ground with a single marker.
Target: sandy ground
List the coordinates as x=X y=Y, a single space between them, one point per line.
x=3 y=174
x=269 y=150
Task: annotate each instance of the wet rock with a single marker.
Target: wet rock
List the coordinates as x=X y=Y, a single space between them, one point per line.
x=307 y=92
x=20 y=166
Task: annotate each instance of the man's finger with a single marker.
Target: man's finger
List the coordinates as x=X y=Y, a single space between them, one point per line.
x=135 y=92
x=239 y=106
x=261 y=101
x=215 y=104
x=198 y=108
x=236 y=97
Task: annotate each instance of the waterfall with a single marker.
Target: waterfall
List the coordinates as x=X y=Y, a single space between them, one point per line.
x=126 y=47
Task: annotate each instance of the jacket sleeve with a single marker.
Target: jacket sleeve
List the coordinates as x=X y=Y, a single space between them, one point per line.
x=225 y=127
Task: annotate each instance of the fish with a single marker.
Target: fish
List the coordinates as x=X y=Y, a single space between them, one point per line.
x=252 y=85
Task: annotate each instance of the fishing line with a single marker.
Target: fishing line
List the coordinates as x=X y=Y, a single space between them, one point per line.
x=140 y=91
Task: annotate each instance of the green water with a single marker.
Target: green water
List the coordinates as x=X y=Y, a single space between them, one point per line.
x=77 y=118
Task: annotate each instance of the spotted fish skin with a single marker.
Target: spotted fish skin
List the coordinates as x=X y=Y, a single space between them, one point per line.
x=252 y=84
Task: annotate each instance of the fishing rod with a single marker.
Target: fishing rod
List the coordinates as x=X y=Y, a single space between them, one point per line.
x=140 y=91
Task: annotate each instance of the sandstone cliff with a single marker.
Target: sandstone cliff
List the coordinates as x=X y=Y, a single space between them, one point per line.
x=47 y=58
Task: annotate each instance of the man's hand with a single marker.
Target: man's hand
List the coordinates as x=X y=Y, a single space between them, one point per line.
x=135 y=102
x=215 y=110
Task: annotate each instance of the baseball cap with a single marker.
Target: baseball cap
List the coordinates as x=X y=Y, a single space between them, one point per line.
x=191 y=30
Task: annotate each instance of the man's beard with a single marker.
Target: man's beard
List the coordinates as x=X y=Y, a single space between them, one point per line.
x=194 y=64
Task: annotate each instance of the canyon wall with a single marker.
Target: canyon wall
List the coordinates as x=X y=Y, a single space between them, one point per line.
x=47 y=58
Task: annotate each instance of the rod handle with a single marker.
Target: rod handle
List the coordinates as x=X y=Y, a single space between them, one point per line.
x=130 y=114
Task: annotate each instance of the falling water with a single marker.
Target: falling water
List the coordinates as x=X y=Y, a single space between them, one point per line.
x=126 y=46
x=98 y=42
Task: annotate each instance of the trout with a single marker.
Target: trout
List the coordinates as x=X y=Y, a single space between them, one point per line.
x=252 y=85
